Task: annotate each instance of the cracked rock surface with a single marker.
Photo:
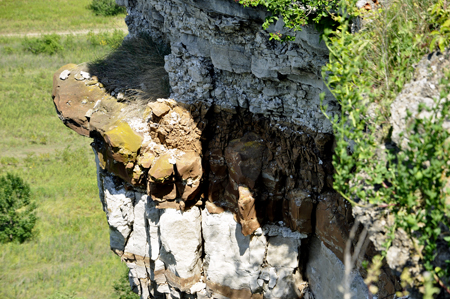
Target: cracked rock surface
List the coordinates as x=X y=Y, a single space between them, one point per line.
x=223 y=190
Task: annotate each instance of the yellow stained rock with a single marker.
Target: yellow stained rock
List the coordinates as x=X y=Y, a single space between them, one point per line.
x=162 y=169
x=159 y=109
x=123 y=137
x=146 y=160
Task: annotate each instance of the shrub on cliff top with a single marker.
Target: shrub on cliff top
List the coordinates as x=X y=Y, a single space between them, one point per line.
x=106 y=8
x=17 y=218
x=295 y=14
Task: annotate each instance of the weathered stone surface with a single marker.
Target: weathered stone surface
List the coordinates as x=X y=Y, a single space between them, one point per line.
x=118 y=206
x=159 y=109
x=146 y=160
x=73 y=98
x=283 y=252
x=424 y=88
x=325 y=273
x=333 y=222
x=209 y=194
x=232 y=259
x=124 y=142
x=162 y=169
x=232 y=50
x=247 y=211
x=137 y=243
x=244 y=160
x=300 y=206
x=181 y=240
x=189 y=166
x=281 y=278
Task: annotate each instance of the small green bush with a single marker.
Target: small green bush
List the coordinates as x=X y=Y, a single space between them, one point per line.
x=295 y=14
x=113 y=39
x=47 y=44
x=106 y=8
x=122 y=287
x=17 y=217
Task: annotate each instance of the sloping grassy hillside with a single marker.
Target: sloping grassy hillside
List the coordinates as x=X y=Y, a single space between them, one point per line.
x=22 y=16
x=70 y=255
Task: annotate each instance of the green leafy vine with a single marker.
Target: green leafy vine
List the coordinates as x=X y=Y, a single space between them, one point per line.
x=295 y=14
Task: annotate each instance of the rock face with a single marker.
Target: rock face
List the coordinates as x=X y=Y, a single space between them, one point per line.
x=423 y=89
x=225 y=189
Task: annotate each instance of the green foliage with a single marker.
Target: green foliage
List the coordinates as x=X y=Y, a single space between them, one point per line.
x=17 y=212
x=46 y=44
x=295 y=14
x=122 y=287
x=366 y=72
x=429 y=289
x=106 y=8
x=440 y=18
x=63 y=295
x=25 y=16
x=112 y=39
x=71 y=254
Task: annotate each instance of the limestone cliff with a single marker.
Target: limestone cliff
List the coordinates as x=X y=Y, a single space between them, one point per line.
x=224 y=189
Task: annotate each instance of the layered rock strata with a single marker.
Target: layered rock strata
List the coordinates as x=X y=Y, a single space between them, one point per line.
x=225 y=189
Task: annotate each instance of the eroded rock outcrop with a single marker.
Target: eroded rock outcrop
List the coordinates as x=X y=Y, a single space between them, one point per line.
x=225 y=189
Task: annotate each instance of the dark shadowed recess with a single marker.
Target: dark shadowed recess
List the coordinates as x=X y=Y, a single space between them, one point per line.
x=136 y=69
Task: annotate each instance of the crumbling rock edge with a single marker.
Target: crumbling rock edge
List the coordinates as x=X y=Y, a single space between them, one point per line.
x=208 y=202
x=225 y=189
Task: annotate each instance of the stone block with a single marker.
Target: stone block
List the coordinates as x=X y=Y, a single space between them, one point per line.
x=325 y=273
x=181 y=240
x=231 y=259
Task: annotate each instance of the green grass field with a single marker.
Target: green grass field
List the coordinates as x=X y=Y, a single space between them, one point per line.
x=69 y=257
x=25 y=16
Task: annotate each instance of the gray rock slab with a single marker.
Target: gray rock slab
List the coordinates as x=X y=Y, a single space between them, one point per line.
x=181 y=240
x=232 y=259
x=325 y=273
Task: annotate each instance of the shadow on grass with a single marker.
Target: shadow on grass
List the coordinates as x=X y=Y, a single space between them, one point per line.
x=136 y=68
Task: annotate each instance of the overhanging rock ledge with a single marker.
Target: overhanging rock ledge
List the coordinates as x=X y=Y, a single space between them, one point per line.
x=223 y=189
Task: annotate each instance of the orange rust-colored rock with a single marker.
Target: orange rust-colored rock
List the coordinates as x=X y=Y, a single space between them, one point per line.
x=183 y=284
x=247 y=211
x=73 y=98
x=189 y=165
x=260 y=173
x=232 y=293
x=333 y=222
x=189 y=173
x=298 y=209
x=244 y=159
x=146 y=160
x=213 y=209
x=162 y=169
x=159 y=109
